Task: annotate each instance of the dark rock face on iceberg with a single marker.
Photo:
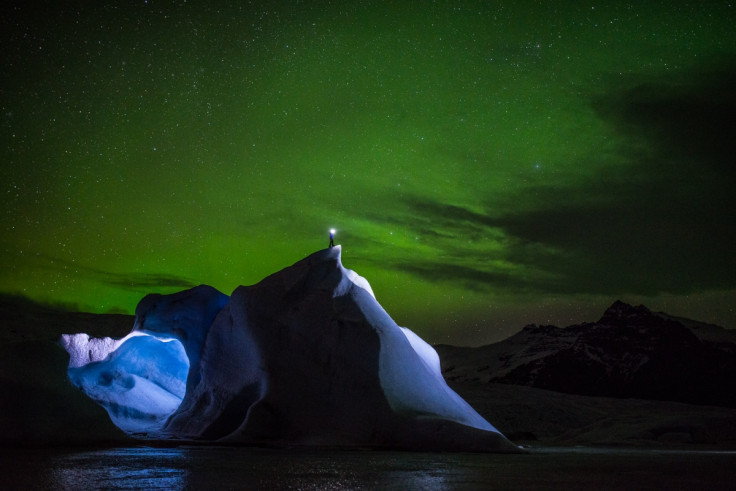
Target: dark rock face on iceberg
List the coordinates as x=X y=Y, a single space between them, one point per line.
x=307 y=357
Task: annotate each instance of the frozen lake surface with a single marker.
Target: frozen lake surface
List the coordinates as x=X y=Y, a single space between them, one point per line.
x=248 y=468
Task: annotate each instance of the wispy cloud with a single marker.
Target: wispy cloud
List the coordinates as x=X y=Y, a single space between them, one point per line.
x=660 y=220
x=129 y=281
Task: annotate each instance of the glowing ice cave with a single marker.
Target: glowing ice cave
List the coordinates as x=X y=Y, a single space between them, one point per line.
x=141 y=383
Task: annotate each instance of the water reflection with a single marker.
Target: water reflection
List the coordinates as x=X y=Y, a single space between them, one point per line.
x=126 y=468
x=213 y=468
x=244 y=468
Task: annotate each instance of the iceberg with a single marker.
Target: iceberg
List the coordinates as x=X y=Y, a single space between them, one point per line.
x=307 y=356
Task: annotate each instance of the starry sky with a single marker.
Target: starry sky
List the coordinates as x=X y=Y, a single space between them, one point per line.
x=486 y=164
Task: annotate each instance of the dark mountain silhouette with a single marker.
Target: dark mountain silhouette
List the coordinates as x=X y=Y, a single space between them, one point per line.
x=631 y=352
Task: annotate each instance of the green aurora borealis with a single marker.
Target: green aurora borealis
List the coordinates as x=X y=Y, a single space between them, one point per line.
x=486 y=164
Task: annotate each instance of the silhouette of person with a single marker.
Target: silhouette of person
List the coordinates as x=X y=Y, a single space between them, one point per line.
x=332 y=237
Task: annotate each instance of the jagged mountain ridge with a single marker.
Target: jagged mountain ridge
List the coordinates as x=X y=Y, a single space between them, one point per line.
x=630 y=352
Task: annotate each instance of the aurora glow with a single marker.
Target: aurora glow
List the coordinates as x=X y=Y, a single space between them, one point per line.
x=487 y=164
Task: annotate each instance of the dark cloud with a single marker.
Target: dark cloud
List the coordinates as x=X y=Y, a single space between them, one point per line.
x=644 y=247
x=451 y=229
x=137 y=281
x=18 y=302
x=474 y=279
x=435 y=219
x=129 y=281
x=637 y=250
x=658 y=221
x=665 y=223
x=689 y=119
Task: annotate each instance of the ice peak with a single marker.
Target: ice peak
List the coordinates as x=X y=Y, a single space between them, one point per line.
x=321 y=270
x=333 y=253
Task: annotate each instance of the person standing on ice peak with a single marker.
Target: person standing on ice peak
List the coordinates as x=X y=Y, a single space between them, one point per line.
x=332 y=238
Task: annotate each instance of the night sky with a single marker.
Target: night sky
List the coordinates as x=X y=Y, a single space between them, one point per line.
x=486 y=164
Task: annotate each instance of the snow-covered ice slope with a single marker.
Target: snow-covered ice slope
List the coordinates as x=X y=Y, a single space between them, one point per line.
x=307 y=356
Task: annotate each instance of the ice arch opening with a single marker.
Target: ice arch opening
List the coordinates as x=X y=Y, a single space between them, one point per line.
x=140 y=380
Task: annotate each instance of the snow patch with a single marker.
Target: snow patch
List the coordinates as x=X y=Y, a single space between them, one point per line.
x=359 y=281
x=426 y=352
